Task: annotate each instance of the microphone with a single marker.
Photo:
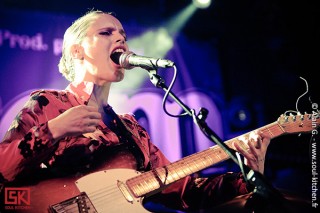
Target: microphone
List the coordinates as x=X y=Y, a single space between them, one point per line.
x=129 y=60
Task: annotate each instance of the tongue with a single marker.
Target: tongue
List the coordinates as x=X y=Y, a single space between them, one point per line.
x=115 y=57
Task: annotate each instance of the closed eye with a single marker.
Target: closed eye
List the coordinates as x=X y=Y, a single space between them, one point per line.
x=108 y=32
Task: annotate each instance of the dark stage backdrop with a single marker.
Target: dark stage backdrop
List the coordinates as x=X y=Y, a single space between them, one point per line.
x=30 y=48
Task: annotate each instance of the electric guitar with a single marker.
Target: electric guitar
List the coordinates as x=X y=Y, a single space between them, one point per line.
x=123 y=190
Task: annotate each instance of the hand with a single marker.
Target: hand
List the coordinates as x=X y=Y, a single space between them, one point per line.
x=254 y=150
x=75 y=121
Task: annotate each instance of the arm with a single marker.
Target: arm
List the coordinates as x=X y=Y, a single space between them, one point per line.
x=35 y=133
x=27 y=143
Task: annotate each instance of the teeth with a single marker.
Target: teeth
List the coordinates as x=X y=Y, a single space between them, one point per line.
x=119 y=51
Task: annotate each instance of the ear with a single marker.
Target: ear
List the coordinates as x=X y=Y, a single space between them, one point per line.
x=77 y=51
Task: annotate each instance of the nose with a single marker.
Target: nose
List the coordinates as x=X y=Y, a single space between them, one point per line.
x=121 y=41
x=120 y=38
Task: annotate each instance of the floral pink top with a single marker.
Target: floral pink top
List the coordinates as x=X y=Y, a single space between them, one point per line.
x=28 y=148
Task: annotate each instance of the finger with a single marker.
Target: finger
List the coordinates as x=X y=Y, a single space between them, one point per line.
x=265 y=138
x=249 y=158
x=94 y=115
x=255 y=142
x=91 y=124
x=92 y=120
x=258 y=143
x=90 y=128
x=255 y=138
x=242 y=143
x=259 y=155
x=253 y=148
x=245 y=151
x=92 y=108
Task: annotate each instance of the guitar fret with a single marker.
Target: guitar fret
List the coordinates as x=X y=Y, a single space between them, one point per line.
x=189 y=167
x=273 y=129
x=192 y=166
x=175 y=172
x=180 y=171
x=166 y=172
x=153 y=183
x=184 y=167
x=136 y=183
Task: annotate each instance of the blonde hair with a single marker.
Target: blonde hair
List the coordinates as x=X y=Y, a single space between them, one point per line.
x=75 y=35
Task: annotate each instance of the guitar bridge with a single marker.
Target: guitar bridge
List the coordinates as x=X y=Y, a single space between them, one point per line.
x=77 y=204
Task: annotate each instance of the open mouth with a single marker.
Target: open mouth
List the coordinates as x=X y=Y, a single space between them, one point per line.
x=115 y=55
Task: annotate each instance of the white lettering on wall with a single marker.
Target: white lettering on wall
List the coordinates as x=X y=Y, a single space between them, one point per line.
x=57 y=46
x=23 y=42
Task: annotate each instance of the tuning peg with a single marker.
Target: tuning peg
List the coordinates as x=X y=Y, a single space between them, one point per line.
x=301 y=117
x=293 y=116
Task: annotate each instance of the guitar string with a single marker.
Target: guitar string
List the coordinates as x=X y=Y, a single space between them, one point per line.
x=107 y=192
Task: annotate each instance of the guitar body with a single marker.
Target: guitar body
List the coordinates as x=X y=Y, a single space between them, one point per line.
x=108 y=192
x=102 y=190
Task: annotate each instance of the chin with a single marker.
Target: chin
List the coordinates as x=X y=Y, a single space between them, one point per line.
x=119 y=76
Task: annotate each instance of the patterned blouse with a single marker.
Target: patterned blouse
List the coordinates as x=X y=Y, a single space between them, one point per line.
x=28 y=149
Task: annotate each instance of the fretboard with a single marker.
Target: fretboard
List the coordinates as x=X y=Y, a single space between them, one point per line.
x=161 y=177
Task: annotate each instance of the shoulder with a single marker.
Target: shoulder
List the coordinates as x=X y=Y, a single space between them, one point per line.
x=42 y=98
x=46 y=93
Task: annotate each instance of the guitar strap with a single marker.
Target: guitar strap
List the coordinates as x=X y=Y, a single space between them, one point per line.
x=113 y=121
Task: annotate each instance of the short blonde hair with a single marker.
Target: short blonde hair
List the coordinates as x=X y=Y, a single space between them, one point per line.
x=75 y=35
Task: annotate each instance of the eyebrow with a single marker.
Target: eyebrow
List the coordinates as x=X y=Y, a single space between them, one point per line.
x=121 y=31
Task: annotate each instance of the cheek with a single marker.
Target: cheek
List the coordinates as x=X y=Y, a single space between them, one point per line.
x=92 y=52
x=92 y=47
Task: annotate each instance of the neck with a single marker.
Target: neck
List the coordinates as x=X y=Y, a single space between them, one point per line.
x=99 y=96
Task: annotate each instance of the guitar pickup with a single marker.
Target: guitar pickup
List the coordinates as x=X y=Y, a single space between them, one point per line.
x=124 y=190
x=80 y=203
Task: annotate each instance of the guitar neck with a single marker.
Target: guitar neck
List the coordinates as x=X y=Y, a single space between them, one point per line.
x=161 y=177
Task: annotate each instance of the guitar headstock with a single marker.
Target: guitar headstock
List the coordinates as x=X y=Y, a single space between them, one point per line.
x=299 y=122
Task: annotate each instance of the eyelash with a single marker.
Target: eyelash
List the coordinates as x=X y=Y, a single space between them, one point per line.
x=106 y=33
x=110 y=33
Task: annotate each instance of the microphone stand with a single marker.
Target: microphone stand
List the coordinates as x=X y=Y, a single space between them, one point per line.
x=263 y=190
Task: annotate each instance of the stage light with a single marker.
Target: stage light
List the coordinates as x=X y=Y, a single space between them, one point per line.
x=175 y=24
x=202 y=4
